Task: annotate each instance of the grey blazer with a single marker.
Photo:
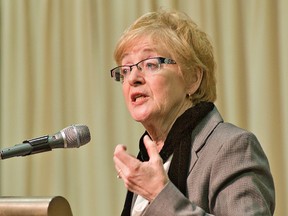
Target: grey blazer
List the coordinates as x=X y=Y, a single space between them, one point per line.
x=229 y=175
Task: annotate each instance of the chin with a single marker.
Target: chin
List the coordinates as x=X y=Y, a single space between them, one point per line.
x=141 y=113
x=139 y=117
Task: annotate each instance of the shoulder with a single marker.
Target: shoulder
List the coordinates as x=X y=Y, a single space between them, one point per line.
x=231 y=145
x=214 y=135
x=231 y=133
x=213 y=129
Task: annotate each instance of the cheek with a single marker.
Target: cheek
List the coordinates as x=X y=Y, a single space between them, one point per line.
x=165 y=91
x=125 y=92
x=158 y=87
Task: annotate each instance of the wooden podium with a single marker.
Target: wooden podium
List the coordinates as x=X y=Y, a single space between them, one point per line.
x=34 y=206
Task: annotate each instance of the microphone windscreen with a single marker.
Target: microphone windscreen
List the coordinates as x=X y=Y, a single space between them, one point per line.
x=76 y=135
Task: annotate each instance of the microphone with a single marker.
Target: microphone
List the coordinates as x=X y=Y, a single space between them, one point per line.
x=72 y=136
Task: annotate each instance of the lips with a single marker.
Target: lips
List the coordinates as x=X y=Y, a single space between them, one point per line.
x=138 y=97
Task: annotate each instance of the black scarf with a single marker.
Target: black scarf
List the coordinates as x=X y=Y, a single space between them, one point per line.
x=178 y=143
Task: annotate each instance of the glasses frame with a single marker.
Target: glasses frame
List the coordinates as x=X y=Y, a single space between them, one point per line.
x=120 y=78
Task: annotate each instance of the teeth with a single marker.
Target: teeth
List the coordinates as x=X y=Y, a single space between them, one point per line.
x=137 y=97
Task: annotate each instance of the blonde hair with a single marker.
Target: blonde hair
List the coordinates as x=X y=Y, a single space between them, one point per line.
x=176 y=34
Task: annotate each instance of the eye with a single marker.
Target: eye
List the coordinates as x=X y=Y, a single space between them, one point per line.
x=124 y=70
x=151 y=64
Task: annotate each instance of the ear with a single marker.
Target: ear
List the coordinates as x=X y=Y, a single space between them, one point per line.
x=195 y=80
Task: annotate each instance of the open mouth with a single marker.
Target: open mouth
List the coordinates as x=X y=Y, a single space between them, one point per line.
x=137 y=97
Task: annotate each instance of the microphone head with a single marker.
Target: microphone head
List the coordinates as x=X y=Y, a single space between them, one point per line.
x=76 y=136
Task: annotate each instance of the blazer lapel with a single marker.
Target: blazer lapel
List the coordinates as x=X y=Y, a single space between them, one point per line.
x=201 y=133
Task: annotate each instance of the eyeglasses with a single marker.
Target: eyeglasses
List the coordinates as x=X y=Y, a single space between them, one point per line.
x=150 y=65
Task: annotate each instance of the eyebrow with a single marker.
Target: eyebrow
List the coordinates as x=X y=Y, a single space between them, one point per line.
x=146 y=50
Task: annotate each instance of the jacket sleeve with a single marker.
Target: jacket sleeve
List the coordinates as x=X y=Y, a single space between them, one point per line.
x=241 y=181
x=238 y=181
x=171 y=202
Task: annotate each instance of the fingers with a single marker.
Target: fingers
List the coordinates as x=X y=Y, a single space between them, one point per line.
x=121 y=156
x=119 y=150
x=123 y=161
x=118 y=173
x=144 y=178
x=151 y=148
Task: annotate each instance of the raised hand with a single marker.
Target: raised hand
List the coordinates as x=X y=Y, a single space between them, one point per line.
x=143 y=178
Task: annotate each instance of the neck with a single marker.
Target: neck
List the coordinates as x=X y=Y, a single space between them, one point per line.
x=158 y=136
x=158 y=131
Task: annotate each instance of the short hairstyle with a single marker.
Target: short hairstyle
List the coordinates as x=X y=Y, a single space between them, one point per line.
x=177 y=35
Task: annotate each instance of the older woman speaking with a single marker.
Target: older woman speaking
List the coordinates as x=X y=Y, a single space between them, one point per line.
x=190 y=162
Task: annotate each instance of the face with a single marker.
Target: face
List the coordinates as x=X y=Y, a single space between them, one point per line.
x=153 y=98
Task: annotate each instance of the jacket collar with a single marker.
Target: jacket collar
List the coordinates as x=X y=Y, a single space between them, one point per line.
x=201 y=133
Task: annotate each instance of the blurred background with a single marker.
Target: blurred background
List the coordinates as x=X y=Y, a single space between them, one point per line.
x=55 y=61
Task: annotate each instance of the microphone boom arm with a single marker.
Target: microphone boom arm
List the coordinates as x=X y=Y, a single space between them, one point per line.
x=39 y=145
x=28 y=147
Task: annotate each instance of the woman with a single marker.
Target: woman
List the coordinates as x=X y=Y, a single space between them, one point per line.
x=190 y=161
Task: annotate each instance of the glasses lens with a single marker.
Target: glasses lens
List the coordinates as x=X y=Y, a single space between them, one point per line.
x=117 y=75
x=120 y=73
x=150 y=65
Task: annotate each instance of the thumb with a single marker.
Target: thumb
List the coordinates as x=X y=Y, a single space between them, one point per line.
x=151 y=148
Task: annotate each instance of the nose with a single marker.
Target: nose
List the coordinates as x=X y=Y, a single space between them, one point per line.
x=136 y=76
